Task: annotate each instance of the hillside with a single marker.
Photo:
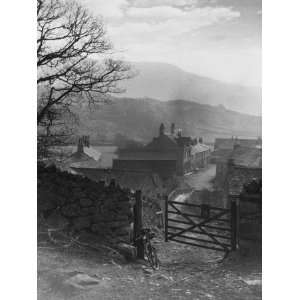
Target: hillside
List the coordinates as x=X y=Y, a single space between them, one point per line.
x=167 y=82
x=140 y=119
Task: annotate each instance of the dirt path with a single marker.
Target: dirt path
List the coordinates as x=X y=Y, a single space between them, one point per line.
x=202 y=179
x=186 y=273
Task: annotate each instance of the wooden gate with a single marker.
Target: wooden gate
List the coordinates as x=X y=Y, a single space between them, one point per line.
x=202 y=225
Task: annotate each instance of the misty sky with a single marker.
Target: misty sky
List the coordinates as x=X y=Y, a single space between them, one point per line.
x=219 y=39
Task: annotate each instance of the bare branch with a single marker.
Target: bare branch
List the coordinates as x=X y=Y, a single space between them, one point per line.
x=72 y=60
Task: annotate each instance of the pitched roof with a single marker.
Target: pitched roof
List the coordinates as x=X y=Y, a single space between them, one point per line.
x=242 y=156
x=91 y=152
x=81 y=160
x=162 y=142
x=147 y=155
x=85 y=157
x=228 y=143
x=199 y=148
x=86 y=152
x=86 y=164
x=248 y=157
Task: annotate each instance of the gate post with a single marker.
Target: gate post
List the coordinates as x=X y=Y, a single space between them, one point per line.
x=138 y=224
x=235 y=218
x=166 y=218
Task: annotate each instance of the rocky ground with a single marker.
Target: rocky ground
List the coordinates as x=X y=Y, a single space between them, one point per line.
x=185 y=273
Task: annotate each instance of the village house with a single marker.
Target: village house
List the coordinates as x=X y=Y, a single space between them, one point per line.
x=85 y=156
x=167 y=154
x=243 y=185
x=239 y=178
x=230 y=143
x=244 y=158
x=223 y=147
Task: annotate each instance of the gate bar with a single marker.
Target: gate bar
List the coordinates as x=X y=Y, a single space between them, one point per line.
x=194 y=231
x=202 y=240
x=197 y=245
x=166 y=218
x=207 y=226
x=195 y=216
x=199 y=205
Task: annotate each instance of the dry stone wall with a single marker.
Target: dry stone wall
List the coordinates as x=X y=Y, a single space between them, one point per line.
x=86 y=206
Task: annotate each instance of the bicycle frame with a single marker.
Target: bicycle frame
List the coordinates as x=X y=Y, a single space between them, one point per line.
x=149 y=250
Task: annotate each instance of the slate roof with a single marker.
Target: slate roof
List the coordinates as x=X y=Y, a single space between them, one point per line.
x=88 y=152
x=162 y=142
x=147 y=155
x=242 y=156
x=91 y=152
x=247 y=157
x=82 y=160
x=199 y=148
x=228 y=143
x=88 y=158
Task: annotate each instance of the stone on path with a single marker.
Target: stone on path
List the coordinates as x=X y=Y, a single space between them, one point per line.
x=84 y=281
x=253 y=281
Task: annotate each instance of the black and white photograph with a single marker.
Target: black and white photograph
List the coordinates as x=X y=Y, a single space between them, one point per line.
x=149 y=150
x=149 y=172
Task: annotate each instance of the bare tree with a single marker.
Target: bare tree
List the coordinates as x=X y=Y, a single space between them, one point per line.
x=56 y=129
x=73 y=58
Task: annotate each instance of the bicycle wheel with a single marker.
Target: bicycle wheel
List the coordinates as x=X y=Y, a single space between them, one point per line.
x=152 y=257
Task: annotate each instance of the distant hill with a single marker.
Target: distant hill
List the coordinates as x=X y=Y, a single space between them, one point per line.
x=167 y=82
x=140 y=118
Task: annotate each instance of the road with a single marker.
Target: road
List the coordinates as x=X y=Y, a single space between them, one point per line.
x=202 y=179
x=197 y=181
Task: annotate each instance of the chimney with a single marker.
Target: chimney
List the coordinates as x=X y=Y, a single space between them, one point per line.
x=258 y=140
x=86 y=140
x=172 y=128
x=162 y=129
x=236 y=146
x=80 y=145
x=179 y=133
x=230 y=162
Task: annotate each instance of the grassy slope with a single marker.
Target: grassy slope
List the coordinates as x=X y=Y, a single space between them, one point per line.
x=140 y=119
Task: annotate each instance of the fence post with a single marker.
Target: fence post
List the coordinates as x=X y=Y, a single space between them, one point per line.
x=166 y=218
x=233 y=224
x=235 y=218
x=238 y=223
x=138 y=224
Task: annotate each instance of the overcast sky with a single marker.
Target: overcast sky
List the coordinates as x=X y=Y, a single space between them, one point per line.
x=219 y=39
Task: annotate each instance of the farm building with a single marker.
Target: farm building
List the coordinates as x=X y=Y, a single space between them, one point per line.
x=85 y=156
x=230 y=143
x=244 y=185
x=167 y=154
x=242 y=157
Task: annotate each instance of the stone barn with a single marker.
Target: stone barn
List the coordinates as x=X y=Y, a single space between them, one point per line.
x=167 y=154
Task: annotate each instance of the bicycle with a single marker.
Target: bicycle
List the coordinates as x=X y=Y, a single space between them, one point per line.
x=149 y=251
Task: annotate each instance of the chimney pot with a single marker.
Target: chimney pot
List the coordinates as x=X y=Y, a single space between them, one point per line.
x=162 y=129
x=172 y=128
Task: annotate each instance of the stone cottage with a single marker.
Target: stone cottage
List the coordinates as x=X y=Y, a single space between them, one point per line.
x=167 y=154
